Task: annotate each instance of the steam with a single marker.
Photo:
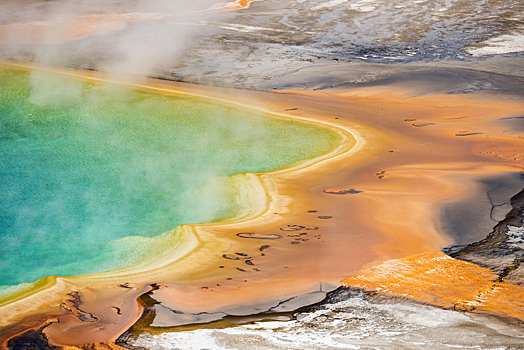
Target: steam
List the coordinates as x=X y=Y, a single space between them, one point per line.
x=147 y=47
x=135 y=164
x=51 y=90
x=135 y=37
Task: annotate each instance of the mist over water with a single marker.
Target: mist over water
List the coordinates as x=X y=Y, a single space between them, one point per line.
x=133 y=37
x=93 y=175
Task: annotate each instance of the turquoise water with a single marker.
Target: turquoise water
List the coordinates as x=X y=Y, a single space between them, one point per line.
x=84 y=165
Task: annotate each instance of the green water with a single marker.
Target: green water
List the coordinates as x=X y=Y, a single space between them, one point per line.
x=83 y=165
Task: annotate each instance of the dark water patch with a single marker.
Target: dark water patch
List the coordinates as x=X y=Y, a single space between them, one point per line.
x=230 y=257
x=75 y=309
x=445 y=80
x=469 y=134
x=515 y=123
x=471 y=220
x=424 y=80
x=350 y=191
x=298 y=227
x=33 y=339
x=502 y=250
x=258 y=235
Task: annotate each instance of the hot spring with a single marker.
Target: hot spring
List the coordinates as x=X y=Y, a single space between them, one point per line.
x=94 y=176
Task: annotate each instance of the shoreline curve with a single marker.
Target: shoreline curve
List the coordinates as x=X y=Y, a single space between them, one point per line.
x=195 y=239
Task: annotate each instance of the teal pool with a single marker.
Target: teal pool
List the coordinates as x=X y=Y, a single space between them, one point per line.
x=84 y=165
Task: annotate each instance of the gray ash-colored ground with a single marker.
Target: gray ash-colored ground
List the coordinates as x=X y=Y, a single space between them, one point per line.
x=398 y=30
x=261 y=46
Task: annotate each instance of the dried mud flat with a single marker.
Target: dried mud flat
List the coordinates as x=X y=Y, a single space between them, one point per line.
x=435 y=165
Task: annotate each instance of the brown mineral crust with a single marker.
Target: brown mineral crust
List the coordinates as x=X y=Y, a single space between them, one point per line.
x=101 y=303
x=84 y=316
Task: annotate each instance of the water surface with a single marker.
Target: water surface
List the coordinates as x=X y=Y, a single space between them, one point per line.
x=92 y=175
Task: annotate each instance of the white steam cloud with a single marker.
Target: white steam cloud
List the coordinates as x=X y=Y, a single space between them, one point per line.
x=134 y=37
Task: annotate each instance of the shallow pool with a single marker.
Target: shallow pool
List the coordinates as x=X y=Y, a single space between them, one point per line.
x=92 y=173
